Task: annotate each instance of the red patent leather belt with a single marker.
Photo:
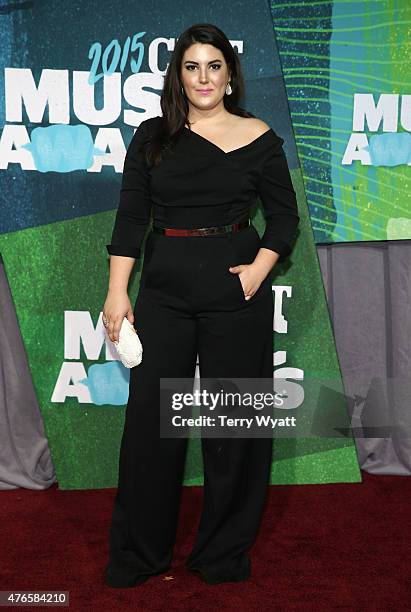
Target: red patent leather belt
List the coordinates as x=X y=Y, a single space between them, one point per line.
x=202 y=231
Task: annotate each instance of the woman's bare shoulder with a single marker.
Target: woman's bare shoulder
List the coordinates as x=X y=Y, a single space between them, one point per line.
x=256 y=127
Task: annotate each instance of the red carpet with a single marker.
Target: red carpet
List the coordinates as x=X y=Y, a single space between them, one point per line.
x=320 y=547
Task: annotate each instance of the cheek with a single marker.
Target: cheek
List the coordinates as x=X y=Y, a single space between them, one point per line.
x=220 y=78
x=188 y=78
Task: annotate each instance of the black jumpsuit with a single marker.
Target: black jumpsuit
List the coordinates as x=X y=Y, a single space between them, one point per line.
x=189 y=303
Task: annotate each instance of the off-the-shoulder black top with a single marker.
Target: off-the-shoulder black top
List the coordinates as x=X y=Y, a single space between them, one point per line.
x=197 y=184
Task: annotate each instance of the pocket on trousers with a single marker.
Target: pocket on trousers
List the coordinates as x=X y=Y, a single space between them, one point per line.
x=244 y=247
x=239 y=285
x=263 y=289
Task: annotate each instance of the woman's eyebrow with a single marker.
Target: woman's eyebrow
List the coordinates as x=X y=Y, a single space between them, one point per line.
x=193 y=62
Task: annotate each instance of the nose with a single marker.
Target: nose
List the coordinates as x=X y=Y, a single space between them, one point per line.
x=203 y=75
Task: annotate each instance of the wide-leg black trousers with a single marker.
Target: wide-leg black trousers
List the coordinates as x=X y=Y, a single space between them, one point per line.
x=189 y=303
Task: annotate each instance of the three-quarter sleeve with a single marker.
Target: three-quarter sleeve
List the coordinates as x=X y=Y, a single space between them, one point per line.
x=134 y=209
x=279 y=201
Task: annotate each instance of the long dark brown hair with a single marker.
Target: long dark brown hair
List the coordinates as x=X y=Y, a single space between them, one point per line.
x=174 y=104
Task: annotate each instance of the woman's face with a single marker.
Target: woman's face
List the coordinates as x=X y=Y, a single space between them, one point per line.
x=204 y=75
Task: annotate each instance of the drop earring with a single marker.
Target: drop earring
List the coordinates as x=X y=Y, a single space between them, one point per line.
x=182 y=90
x=228 y=89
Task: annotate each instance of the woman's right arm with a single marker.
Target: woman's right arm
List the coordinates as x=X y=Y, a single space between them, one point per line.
x=117 y=304
x=132 y=219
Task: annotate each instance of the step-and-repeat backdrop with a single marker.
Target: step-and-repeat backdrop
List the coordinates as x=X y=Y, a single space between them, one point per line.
x=75 y=81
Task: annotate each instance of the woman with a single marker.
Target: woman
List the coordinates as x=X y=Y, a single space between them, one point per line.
x=204 y=289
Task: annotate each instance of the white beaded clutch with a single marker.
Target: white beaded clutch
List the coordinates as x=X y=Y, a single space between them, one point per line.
x=128 y=345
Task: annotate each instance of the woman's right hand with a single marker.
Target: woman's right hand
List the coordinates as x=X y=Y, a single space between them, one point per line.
x=116 y=307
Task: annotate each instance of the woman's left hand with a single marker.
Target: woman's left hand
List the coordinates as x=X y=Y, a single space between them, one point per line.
x=251 y=277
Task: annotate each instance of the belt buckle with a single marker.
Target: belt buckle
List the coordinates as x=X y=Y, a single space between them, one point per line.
x=210 y=231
